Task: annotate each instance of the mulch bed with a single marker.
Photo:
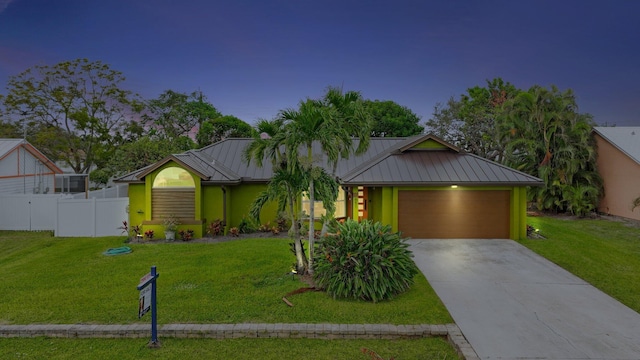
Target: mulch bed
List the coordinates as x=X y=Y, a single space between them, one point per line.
x=217 y=239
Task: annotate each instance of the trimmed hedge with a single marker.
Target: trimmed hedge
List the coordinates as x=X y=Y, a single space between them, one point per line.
x=364 y=261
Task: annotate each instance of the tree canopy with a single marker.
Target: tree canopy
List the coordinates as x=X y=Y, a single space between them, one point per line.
x=214 y=130
x=389 y=119
x=471 y=122
x=174 y=114
x=75 y=110
x=538 y=131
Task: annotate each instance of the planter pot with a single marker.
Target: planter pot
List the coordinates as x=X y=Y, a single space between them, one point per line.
x=170 y=235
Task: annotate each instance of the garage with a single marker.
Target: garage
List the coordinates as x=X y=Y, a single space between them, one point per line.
x=449 y=214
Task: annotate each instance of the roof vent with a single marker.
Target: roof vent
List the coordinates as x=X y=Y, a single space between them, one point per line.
x=633 y=133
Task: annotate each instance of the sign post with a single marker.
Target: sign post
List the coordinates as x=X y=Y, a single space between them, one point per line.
x=147 y=301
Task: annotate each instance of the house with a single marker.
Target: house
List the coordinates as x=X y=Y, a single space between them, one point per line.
x=420 y=185
x=24 y=169
x=619 y=166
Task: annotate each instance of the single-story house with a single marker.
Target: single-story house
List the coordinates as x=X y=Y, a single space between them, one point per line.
x=421 y=186
x=619 y=166
x=24 y=169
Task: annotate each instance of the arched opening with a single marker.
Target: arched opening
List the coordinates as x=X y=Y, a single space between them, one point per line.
x=173 y=194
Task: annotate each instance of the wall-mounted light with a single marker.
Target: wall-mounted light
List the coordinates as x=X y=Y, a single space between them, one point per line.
x=454 y=186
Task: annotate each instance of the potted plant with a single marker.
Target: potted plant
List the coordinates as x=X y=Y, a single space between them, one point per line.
x=170 y=226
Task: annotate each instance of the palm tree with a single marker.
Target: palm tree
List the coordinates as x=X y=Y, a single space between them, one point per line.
x=330 y=123
x=548 y=138
x=286 y=185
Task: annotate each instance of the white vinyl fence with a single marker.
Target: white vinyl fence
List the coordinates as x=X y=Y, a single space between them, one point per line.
x=64 y=215
x=118 y=191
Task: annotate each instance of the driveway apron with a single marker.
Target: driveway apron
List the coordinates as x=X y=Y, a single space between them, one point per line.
x=511 y=303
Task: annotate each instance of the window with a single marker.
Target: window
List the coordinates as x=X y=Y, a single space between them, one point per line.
x=173 y=177
x=173 y=194
x=319 y=210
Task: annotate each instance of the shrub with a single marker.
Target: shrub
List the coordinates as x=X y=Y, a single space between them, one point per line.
x=215 y=228
x=148 y=234
x=364 y=261
x=282 y=222
x=265 y=227
x=246 y=226
x=186 y=235
x=234 y=231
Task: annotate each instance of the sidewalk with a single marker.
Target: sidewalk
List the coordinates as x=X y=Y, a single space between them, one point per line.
x=248 y=330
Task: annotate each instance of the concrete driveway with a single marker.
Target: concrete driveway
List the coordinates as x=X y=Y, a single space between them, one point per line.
x=511 y=303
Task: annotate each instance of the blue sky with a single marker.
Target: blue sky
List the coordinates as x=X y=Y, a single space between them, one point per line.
x=253 y=58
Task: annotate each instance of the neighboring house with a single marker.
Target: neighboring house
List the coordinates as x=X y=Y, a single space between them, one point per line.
x=420 y=185
x=619 y=166
x=24 y=169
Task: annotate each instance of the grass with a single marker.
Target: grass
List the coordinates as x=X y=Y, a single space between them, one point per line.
x=276 y=349
x=68 y=280
x=602 y=252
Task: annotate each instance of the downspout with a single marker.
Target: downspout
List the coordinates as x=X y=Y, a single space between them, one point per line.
x=224 y=207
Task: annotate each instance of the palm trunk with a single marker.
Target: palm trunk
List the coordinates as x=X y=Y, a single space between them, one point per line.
x=301 y=259
x=311 y=225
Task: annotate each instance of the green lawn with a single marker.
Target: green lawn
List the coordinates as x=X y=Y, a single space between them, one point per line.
x=68 y=280
x=604 y=253
x=61 y=280
x=276 y=349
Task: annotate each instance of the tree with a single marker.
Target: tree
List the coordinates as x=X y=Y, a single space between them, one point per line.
x=548 y=138
x=174 y=114
x=73 y=109
x=330 y=122
x=287 y=184
x=392 y=119
x=9 y=130
x=135 y=155
x=214 y=130
x=472 y=122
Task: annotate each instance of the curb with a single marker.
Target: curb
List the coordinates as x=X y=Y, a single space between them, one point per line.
x=249 y=330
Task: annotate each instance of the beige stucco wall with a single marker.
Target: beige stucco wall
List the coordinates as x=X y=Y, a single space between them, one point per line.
x=621 y=178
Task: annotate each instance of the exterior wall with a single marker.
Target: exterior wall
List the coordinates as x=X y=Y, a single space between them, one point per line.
x=621 y=179
x=387 y=206
x=137 y=207
x=239 y=200
x=212 y=204
x=23 y=173
x=430 y=144
x=375 y=200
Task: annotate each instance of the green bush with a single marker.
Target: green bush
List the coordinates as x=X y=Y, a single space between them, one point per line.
x=364 y=261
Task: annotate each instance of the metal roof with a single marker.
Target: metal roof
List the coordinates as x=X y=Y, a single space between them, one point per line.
x=387 y=161
x=413 y=168
x=624 y=138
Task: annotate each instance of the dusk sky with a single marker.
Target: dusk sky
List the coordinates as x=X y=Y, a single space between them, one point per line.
x=254 y=58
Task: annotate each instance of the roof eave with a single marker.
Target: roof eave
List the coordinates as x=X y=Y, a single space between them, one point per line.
x=441 y=183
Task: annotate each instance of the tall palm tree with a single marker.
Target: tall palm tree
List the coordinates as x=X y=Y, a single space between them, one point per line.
x=286 y=185
x=331 y=123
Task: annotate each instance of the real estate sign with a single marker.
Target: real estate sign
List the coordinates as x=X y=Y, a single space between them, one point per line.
x=145 y=301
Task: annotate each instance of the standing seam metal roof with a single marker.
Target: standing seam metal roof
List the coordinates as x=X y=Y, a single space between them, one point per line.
x=382 y=164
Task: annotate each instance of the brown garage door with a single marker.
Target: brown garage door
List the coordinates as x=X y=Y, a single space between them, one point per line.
x=449 y=214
